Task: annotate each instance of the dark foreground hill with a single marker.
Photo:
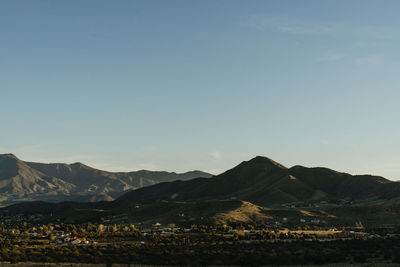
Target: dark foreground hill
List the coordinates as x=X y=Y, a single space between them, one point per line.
x=28 y=181
x=265 y=182
x=208 y=212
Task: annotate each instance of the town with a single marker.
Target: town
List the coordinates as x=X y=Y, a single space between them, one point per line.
x=28 y=239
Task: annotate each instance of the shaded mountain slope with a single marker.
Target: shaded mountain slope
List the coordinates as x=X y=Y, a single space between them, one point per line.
x=343 y=185
x=264 y=182
x=247 y=180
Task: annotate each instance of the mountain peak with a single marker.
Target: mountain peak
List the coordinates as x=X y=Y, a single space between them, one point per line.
x=265 y=161
x=9 y=161
x=79 y=165
x=8 y=155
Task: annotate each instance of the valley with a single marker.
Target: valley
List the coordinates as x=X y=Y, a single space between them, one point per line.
x=259 y=211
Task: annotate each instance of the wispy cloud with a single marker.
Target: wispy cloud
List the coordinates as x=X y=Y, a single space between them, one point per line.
x=215 y=155
x=382 y=32
x=362 y=61
x=331 y=57
x=369 y=61
x=287 y=25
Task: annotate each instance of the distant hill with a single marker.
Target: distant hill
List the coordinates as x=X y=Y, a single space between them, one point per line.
x=265 y=182
x=29 y=181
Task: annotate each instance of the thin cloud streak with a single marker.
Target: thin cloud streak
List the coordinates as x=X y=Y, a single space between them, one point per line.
x=369 y=61
x=307 y=27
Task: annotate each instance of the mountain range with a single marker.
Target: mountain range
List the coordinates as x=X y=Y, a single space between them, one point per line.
x=259 y=190
x=265 y=182
x=30 y=181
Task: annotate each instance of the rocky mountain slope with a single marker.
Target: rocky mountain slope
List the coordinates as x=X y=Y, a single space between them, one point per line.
x=28 y=181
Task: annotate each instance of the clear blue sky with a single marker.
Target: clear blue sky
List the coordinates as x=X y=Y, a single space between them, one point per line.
x=182 y=85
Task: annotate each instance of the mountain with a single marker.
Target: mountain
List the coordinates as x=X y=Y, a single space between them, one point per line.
x=252 y=192
x=28 y=181
x=18 y=180
x=265 y=182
